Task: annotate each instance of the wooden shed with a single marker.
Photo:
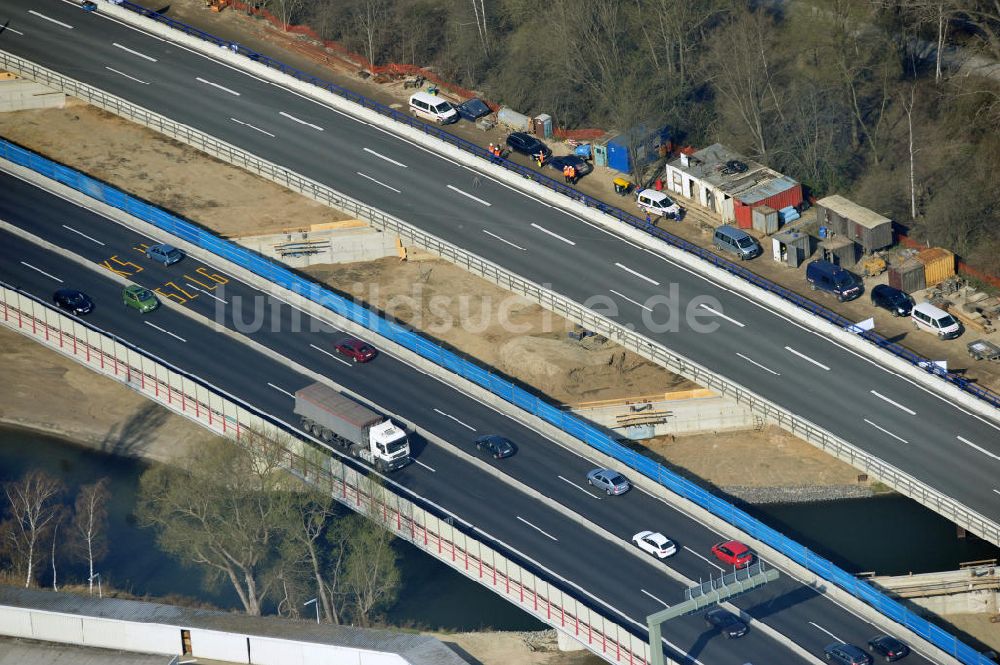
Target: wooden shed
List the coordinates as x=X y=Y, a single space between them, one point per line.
x=791 y=247
x=866 y=228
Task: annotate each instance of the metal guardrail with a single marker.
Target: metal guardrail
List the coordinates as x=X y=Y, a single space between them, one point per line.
x=736 y=269
x=500 y=387
x=470 y=551
x=519 y=397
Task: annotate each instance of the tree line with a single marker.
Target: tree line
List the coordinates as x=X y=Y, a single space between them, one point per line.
x=230 y=510
x=890 y=102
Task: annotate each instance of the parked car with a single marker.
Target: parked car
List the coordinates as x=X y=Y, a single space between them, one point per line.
x=473 y=109
x=165 y=254
x=357 y=350
x=657 y=203
x=733 y=552
x=582 y=166
x=892 y=299
x=139 y=298
x=526 y=144
x=829 y=277
x=726 y=623
x=888 y=647
x=609 y=480
x=929 y=318
x=655 y=543
x=73 y=301
x=846 y=654
x=497 y=446
x=736 y=241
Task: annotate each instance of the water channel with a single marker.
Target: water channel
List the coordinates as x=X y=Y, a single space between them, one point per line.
x=888 y=535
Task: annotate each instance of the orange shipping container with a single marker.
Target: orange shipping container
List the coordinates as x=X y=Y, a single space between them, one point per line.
x=939 y=265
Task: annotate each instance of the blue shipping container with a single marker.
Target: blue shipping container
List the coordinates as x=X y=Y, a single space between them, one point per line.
x=618 y=157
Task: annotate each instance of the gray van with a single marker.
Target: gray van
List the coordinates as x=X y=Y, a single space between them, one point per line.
x=737 y=241
x=826 y=276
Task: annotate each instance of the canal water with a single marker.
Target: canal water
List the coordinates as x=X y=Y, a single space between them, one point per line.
x=887 y=535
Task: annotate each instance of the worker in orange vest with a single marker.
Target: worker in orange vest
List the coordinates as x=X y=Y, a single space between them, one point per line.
x=566 y=174
x=572 y=174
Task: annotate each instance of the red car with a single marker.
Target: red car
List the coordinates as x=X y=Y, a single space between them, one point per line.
x=733 y=552
x=356 y=350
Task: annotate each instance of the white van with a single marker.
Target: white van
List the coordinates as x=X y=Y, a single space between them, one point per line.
x=657 y=203
x=926 y=316
x=432 y=107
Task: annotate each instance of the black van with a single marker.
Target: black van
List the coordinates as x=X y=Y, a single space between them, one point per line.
x=825 y=276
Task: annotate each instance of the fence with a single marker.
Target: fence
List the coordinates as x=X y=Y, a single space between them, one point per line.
x=899 y=351
x=508 y=391
x=409 y=518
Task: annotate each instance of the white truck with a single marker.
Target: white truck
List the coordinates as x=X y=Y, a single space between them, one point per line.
x=366 y=435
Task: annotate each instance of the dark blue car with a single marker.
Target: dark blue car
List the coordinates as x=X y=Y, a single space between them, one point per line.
x=473 y=109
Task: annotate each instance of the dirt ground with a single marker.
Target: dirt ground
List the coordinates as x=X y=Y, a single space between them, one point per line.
x=45 y=391
x=503 y=648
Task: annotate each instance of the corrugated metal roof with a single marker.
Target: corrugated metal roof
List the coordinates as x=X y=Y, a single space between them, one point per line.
x=417 y=649
x=852 y=211
x=756 y=183
x=23 y=652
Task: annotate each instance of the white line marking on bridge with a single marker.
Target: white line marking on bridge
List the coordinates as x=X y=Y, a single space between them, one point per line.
x=429 y=468
x=378 y=182
x=982 y=450
x=554 y=235
x=81 y=233
x=638 y=274
x=281 y=390
x=754 y=362
x=214 y=297
x=301 y=121
x=49 y=18
x=164 y=330
x=112 y=69
x=718 y=313
x=654 y=598
x=388 y=159
x=474 y=198
x=885 y=431
x=537 y=529
x=582 y=489
x=334 y=356
x=448 y=415
x=141 y=55
x=49 y=275
x=634 y=302
x=489 y=233
x=247 y=124
x=895 y=404
x=216 y=85
x=807 y=358
x=705 y=559
x=826 y=631
x=10 y=29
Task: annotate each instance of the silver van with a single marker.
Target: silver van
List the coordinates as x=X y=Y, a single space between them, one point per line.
x=926 y=316
x=737 y=241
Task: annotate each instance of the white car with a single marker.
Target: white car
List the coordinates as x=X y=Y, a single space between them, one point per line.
x=657 y=203
x=655 y=543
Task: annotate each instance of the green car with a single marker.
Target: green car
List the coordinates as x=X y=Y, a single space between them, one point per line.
x=139 y=298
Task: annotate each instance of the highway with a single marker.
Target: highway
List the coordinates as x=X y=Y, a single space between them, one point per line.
x=635 y=585
x=883 y=413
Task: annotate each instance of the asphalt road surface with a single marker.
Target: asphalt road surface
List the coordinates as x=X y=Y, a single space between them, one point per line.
x=624 y=582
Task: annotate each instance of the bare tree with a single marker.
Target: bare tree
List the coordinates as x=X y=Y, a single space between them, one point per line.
x=371 y=573
x=315 y=514
x=90 y=525
x=226 y=510
x=285 y=11
x=34 y=510
x=371 y=19
x=908 y=107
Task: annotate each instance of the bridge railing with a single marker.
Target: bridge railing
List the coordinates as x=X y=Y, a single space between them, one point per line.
x=499 y=386
x=473 y=553
x=573 y=193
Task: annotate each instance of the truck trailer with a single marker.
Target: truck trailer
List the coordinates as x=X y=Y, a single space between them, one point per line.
x=365 y=434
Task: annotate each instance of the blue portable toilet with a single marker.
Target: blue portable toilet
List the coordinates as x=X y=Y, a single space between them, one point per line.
x=600 y=154
x=582 y=150
x=618 y=157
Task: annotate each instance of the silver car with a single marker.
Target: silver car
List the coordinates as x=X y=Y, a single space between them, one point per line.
x=609 y=480
x=165 y=254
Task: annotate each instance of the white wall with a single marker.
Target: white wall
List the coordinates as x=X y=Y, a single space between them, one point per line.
x=218 y=645
x=131 y=636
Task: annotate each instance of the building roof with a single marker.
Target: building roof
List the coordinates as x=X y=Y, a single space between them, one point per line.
x=416 y=649
x=26 y=652
x=852 y=211
x=757 y=182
